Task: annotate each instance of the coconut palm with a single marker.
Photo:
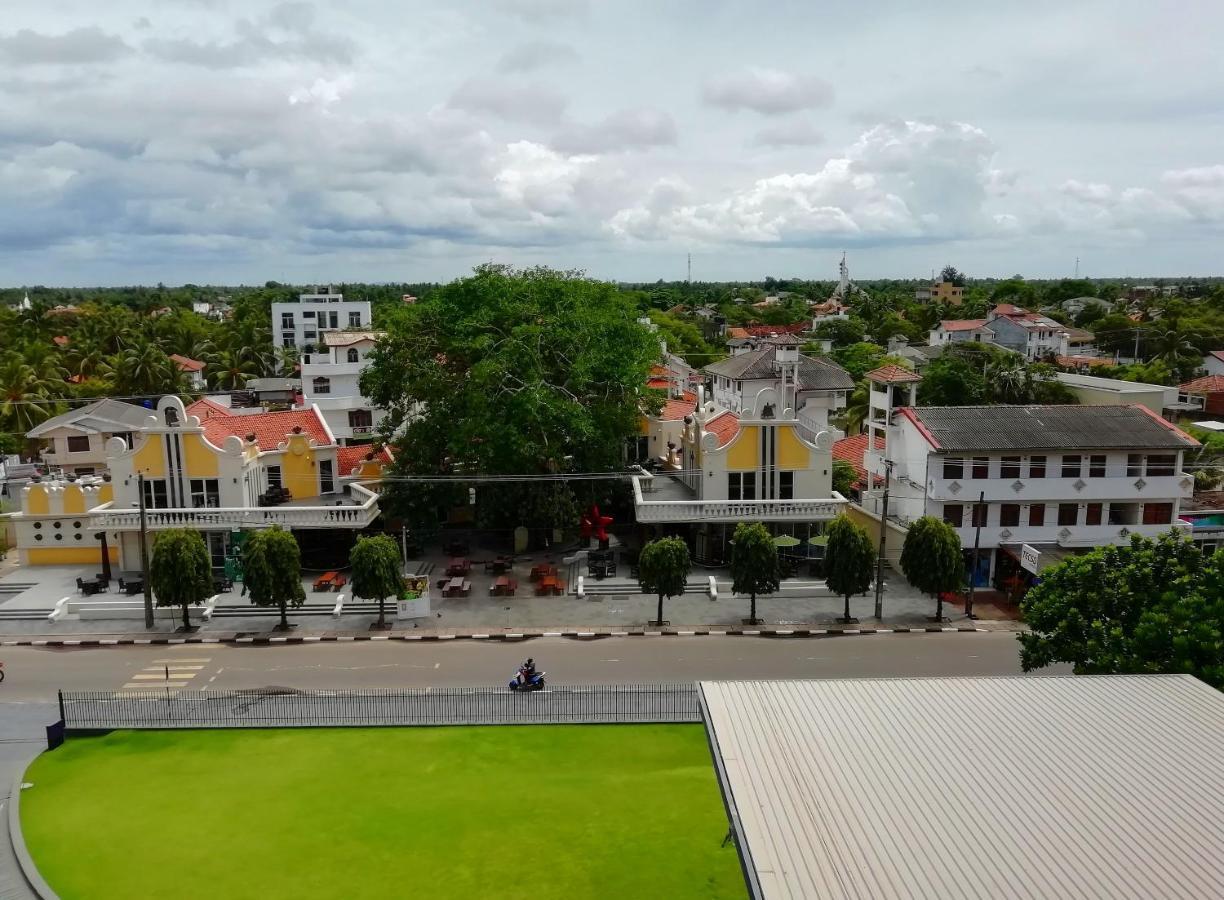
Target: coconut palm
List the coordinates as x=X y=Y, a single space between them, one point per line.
x=857 y=406
x=1009 y=381
x=1171 y=344
x=145 y=369
x=25 y=398
x=232 y=370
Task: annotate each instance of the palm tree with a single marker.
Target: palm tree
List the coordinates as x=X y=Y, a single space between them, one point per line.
x=233 y=369
x=1009 y=381
x=145 y=369
x=1171 y=344
x=25 y=398
x=857 y=406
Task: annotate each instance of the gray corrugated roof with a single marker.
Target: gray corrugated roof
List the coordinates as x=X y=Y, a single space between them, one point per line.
x=102 y=416
x=966 y=788
x=1049 y=427
x=814 y=374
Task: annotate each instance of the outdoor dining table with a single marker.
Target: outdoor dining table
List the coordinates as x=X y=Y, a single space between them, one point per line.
x=455 y=586
x=458 y=566
x=132 y=582
x=325 y=581
x=549 y=584
x=504 y=586
x=500 y=564
x=542 y=571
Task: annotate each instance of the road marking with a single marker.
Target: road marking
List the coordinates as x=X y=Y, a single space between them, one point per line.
x=145 y=685
x=184 y=659
x=437 y=665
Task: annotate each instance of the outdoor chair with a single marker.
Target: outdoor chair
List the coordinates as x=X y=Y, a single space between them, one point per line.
x=88 y=588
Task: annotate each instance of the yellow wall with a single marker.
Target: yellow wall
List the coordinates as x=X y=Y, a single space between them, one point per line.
x=149 y=459
x=106 y=493
x=370 y=468
x=299 y=472
x=37 y=501
x=67 y=556
x=791 y=452
x=74 y=500
x=745 y=449
x=644 y=426
x=201 y=461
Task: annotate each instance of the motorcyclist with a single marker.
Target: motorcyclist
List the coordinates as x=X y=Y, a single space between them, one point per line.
x=527 y=671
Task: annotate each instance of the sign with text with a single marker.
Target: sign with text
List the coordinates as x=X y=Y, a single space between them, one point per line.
x=1029 y=558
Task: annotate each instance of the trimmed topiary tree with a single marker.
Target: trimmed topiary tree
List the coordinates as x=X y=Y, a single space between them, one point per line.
x=180 y=572
x=663 y=569
x=932 y=560
x=754 y=564
x=376 y=572
x=272 y=571
x=849 y=561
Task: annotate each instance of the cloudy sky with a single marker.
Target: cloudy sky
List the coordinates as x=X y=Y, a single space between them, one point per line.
x=225 y=141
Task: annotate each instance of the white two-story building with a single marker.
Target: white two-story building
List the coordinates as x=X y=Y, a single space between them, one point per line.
x=331 y=376
x=302 y=324
x=1056 y=478
x=75 y=442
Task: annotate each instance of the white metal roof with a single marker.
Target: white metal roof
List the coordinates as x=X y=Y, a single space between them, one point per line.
x=943 y=788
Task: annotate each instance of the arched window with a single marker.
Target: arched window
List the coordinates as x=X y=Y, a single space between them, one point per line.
x=322 y=385
x=352 y=354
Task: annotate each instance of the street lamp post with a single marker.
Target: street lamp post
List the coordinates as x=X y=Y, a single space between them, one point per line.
x=144 y=553
x=879 y=584
x=977 y=544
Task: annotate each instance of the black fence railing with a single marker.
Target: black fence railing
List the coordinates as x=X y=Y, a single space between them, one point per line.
x=279 y=708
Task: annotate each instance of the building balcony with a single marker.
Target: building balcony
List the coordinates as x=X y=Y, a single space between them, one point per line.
x=355 y=509
x=664 y=499
x=319 y=366
x=1064 y=535
x=1118 y=488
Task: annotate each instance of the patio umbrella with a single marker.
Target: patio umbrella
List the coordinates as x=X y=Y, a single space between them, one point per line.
x=787 y=540
x=820 y=540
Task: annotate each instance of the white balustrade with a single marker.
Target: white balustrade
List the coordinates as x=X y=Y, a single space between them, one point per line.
x=649 y=510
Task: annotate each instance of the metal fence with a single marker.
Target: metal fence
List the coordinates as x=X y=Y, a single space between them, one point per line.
x=280 y=708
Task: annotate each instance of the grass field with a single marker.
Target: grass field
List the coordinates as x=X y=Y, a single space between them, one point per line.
x=533 y=812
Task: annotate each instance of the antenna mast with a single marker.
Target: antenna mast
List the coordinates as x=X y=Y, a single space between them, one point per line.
x=689 y=276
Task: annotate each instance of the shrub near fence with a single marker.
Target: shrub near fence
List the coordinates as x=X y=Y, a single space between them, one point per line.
x=565 y=704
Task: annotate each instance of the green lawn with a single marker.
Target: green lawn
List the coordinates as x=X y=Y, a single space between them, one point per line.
x=526 y=812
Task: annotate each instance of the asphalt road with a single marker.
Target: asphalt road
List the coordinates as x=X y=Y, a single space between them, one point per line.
x=34 y=674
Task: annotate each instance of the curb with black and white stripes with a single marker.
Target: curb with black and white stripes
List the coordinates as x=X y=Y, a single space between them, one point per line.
x=477 y=636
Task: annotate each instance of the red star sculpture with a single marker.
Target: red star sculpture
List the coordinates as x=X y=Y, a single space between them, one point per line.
x=594 y=525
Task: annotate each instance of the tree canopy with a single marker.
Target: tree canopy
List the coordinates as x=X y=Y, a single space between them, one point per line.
x=849 y=560
x=180 y=572
x=931 y=559
x=663 y=569
x=375 y=562
x=1148 y=606
x=272 y=570
x=755 y=568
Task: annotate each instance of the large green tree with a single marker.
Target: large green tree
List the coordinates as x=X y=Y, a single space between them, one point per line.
x=180 y=572
x=931 y=559
x=755 y=568
x=663 y=569
x=375 y=563
x=849 y=561
x=272 y=571
x=1149 y=606
x=526 y=372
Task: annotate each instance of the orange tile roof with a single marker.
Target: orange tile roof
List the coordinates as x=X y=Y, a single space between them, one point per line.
x=1009 y=309
x=737 y=332
x=658 y=384
x=349 y=458
x=893 y=375
x=270 y=428
x=1073 y=361
x=61 y=340
x=1208 y=384
x=767 y=330
x=851 y=450
x=962 y=324
x=187 y=364
x=724 y=426
x=204 y=408
x=678 y=409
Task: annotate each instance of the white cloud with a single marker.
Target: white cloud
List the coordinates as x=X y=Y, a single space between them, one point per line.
x=542 y=11
x=80 y=45
x=536 y=104
x=770 y=92
x=536 y=55
x=798 y=133
x=628 y=129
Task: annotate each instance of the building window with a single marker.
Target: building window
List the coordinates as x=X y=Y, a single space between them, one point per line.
x=205 y=493
x=1009 y=467
x=741 y=486
x=1134 y=465
x=786 y=485
x=288 y=341
x=360 y=418
x=321 y=385
x=353 y=355
x=287 y=321
x=1093 y=513
x=334 y=319
x=274 y=476
x=1068 y=513
x=1096 y=466
x=981 y=467
x=1036 y=515
x=310 y=335
x=78 y=443
x=1037 y=466
x=155 y=494
x=954 y=514
x=126 y=437
x=1161 y=464
x=354 y=320
x=309 y=314
x=1072 y=466
x=953 y=467
x=1157 y=513
x=327 y=482
x=1009 y=515
x=981 y=515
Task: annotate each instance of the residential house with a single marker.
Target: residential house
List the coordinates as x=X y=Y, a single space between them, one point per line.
x=1094 y=391
x=941 y=292
x=829 y=311
x=220 y=474
x=766 y=461
x=1205 y=394
x=268 y=392
x=331 y=378
x=952 y=331
x=1213 y=363
x=303 y=323
x=1028 y=333
x=1059 y=479
x=192 y=368
x=74 y=443
x=819 y=385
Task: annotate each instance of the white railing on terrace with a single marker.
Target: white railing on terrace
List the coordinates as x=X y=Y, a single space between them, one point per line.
x=347 y=515
x=651 y=510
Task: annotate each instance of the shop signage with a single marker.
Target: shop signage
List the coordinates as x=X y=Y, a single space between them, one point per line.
x=1029 y=558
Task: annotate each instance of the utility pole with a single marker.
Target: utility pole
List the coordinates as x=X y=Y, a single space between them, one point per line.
x=404 y=545
x=689 y=276
x=144 y=553
x=977 y=544
x=1136 y=356
x=879 y=580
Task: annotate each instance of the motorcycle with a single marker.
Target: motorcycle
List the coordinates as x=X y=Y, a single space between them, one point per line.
x=535 y=683
x=1 y=671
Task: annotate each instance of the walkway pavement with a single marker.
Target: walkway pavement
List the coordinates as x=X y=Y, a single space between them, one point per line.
x=22 y=736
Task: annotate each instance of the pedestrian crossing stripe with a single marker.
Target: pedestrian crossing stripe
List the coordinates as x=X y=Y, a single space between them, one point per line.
x=166 y=674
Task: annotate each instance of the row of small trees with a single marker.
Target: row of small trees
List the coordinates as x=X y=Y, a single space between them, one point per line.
x=931 y=559
x=180 y=572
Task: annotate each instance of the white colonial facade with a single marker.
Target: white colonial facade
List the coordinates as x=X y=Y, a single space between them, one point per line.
x=331 y=377
x=302 y=324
